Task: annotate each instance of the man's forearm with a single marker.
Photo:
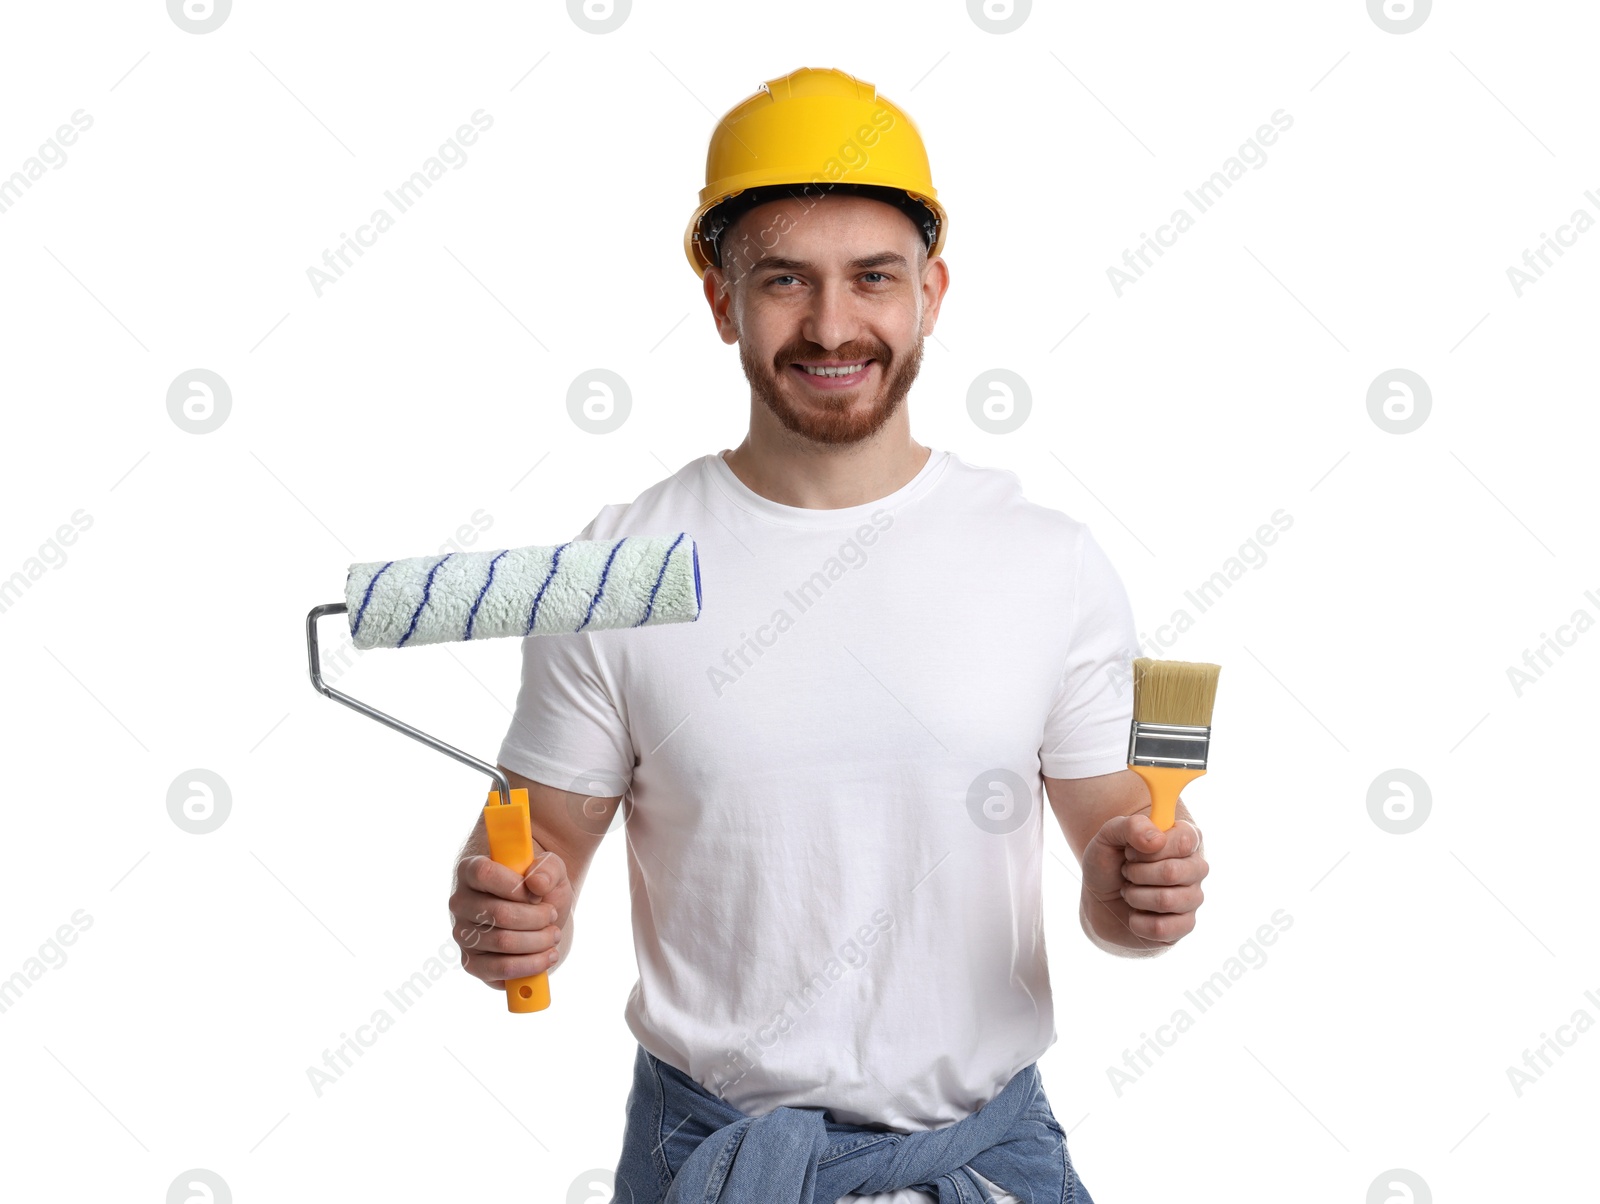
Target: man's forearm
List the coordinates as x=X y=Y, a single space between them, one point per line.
x=1106 y=928
x=477 y=841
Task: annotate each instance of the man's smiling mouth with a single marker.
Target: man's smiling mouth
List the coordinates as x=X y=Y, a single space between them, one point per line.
x=834 y=372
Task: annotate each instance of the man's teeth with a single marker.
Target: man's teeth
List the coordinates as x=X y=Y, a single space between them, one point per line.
x=847 y=371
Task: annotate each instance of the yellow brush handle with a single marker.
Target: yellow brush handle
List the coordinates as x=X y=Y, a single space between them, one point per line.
x=1165 y=783
x=511 y=845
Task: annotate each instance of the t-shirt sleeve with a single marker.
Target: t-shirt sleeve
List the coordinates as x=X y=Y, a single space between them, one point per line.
x=1086 y=730
x=567 y=731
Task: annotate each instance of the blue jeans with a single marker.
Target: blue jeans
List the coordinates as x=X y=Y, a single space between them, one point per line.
x=683 y=1145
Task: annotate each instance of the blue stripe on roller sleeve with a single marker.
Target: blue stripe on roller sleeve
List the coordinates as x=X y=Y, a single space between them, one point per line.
x=604 y=573
x=365 y=598
x=555 y=561
x=478 y=601
x=696 y=549
x=651 y=604
x=427 y=588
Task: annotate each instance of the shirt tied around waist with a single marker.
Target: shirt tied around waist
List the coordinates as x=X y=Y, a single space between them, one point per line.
x=797 y=1156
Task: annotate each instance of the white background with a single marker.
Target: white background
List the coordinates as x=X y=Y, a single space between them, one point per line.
x=430 y=383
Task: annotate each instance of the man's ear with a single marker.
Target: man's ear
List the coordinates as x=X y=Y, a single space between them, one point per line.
x=940 y=282
x=719 y=296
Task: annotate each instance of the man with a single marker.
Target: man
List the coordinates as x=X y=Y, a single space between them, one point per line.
x=835 y=836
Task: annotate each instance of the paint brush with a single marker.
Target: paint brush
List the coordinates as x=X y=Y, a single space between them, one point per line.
x=1171 y=734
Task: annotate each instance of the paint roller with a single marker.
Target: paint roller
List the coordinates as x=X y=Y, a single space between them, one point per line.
x=582 y=585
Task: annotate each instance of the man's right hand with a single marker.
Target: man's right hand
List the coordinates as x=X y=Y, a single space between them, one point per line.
x=509 y=927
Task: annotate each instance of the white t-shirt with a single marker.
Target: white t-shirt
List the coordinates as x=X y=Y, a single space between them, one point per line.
x=835 y=834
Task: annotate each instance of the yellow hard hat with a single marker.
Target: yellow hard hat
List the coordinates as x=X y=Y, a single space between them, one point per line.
x=826 y=131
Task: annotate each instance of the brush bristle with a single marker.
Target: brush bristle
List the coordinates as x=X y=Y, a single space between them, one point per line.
x=1179 y=692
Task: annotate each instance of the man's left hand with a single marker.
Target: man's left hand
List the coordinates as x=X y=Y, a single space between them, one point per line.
x=1149 y=880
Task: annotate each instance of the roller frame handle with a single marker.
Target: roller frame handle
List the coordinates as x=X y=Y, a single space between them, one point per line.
x=1166 y=782
x=511 y=845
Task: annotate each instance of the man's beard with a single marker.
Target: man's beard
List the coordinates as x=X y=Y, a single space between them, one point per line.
x=836 y=416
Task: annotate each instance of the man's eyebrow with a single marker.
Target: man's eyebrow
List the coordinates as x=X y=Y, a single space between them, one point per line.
x=882 y=259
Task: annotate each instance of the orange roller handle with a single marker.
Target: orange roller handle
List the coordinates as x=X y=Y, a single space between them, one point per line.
x=1165 y=783
x=511 y=845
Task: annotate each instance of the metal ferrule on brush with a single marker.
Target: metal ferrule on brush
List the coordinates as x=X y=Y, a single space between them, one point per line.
x=1171 y=744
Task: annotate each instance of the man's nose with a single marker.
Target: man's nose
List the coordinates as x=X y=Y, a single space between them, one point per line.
x=831 y=319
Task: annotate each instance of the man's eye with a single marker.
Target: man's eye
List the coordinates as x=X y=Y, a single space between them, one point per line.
x=775 y=279
x=875 y=274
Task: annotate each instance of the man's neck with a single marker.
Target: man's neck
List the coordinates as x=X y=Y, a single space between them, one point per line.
x=827 y=479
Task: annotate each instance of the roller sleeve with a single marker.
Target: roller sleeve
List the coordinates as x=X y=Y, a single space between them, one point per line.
x=582 y=585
